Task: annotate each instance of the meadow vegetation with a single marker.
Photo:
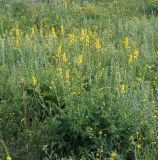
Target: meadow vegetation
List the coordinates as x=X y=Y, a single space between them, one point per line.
x=79 y=80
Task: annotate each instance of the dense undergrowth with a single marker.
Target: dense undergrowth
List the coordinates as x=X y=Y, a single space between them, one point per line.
x=79 y=80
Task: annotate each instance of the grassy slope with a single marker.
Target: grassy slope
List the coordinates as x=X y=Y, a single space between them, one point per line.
x=50 y=108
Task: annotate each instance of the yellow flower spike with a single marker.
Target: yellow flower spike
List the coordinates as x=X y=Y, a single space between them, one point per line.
x=59 y=71
x=136 y=53
x=122 y=88
x=114 y=154
x=26 y=37
x=33 y=31
x=126 y=42
x=41 y=32
x=91 y=33
x=130 y=58
x=71 y=38
x=87 y=40
x=48 y=44
x=17 y=32
x=97 y=44
x=59 y=50
x=67 y=75
x=17 y=42
x=79 y=59
x=62 y=30
x=53 y=33
x=34 y=81
x=82 y=36
x=8 y=157
x=65 y=58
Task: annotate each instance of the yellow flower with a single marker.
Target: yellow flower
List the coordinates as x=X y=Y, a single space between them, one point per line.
x=17 y=42
x=65 y=58
x=8 y=157
x=114 y=154
x=67 y=75
x=26 y=37
x=136 y=53
x=33 y=31
x=59 y=49
x=79 y=59
x=87 y=40
x=34 y=81
x=138 y=146
x=17 y=32
x=97 y=44
x=130 y=58
x=71 y=38
x=53 y=33
x=82 y=36
x=62 y=30
x=59 y=71
x=122 y=88
x=97 y=154
x=41 y=32
x=48 y=44
x=153 y=143
x=126 y=42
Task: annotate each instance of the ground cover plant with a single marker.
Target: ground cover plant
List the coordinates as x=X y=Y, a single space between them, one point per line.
x=79 y=80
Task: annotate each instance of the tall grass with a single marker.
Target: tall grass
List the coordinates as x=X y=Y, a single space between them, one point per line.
x=79 y=80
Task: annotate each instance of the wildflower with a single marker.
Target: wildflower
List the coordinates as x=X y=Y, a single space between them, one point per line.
x=17 y=42
x=67 y=75
x=97 y=44
x=153 y=143
x=41 y=32
x=100 y=132
x=138 y=146
x=59 y=49
x=71 y=38
x=17 y=32
x=130 y=58
x=34 y=81
x=136 y=52
x=65 y=58
x=122 y=88
x=154 y=116
x=26 y=37
x=48 y=44
x=97 y=154
x=79 y=59
x=53 y=33
x=8 y=157
x=91 y=33
x=82 y=36
x=114 y=154
x=126 y=42
x=33 y=31
x=59 y=71
x=87 y=40
x=62 y=30
x=44 y=148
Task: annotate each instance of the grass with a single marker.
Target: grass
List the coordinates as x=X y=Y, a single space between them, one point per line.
x=79 y=80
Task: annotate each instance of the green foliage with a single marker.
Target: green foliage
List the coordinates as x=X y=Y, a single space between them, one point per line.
x=78 y=80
